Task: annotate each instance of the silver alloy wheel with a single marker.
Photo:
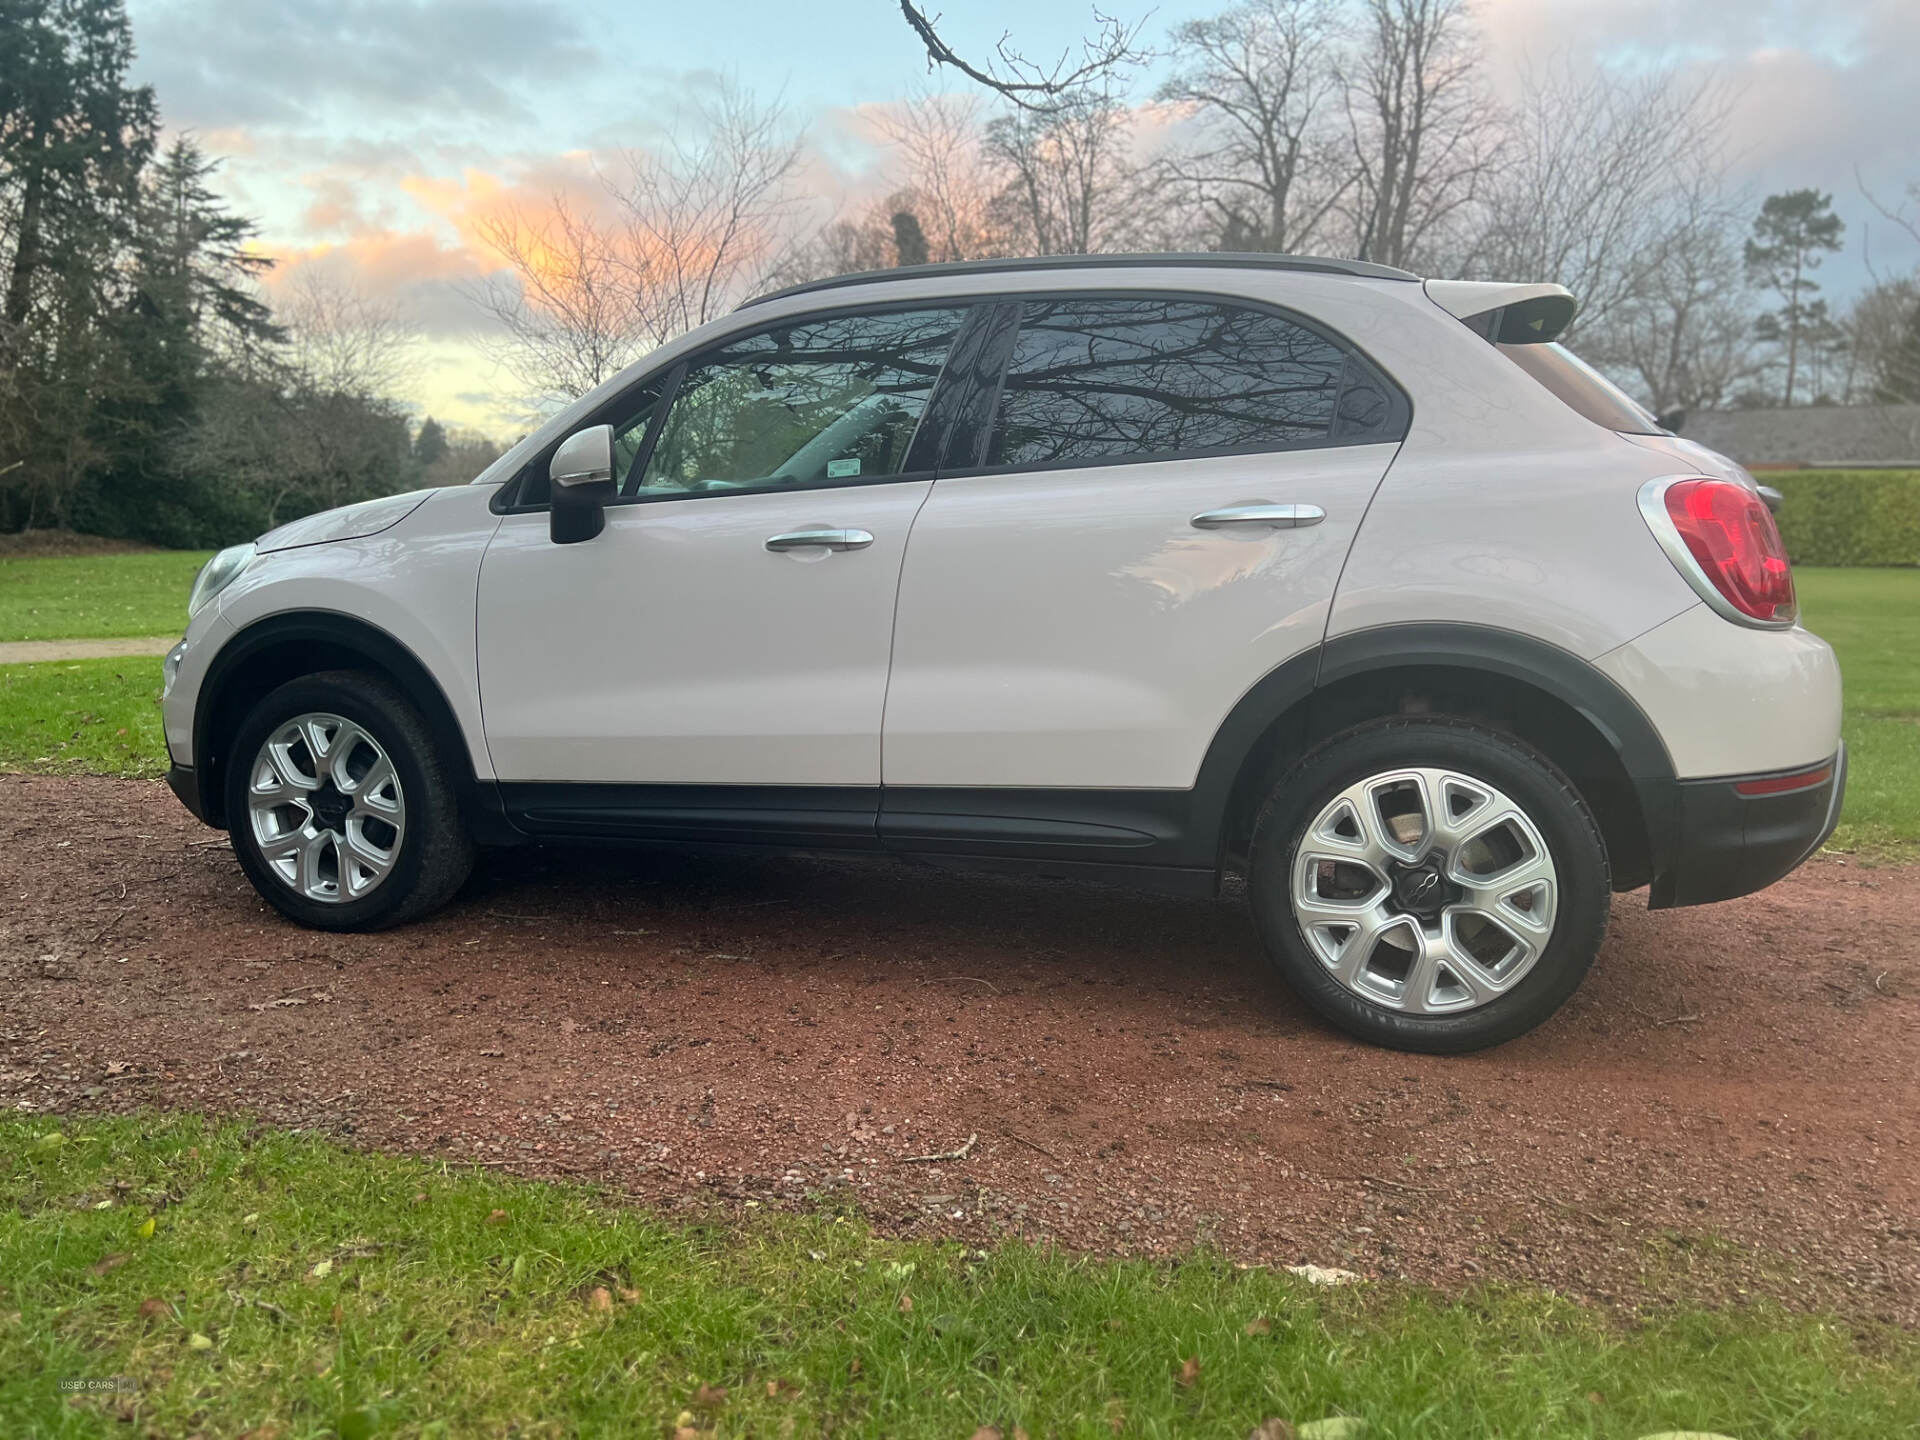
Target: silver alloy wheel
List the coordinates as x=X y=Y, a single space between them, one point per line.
x=1425 y=891
x=326 y=808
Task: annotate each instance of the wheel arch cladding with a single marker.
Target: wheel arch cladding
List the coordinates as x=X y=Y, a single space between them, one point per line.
x=1548 y=698
x=280 y=648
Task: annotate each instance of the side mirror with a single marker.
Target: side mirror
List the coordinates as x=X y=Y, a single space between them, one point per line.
x=581 y=477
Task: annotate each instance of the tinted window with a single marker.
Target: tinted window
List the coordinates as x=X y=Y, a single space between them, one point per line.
x=1097 y=378
x=1588 y=391
x=832 y=401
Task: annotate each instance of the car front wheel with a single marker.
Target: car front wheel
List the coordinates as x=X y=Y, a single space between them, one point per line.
x=341 y=812
x=1428 y=884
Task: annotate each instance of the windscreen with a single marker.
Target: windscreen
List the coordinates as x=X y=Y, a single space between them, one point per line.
x=1584 y=388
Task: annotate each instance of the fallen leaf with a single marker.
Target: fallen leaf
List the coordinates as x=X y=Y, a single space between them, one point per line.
x=601 y=1298
x=118 y=1067
x=145 y=1232
x=108 y=1263
x=629 y=1297
x=684 y=1420
x=323 y=1269
x=420 y=1198
x=1275 y=1429
x=497 y=1217
x=986 y=1432
x=853 y=1366
x=1189 y=1370
x=337 y=1316
x=49 y=1142
x=197 y=1341
x=1260 y=1326
x=1334 y=1427
x=906 y=1303
x=709 y=1397
x=778 y=1388
x=154 y=1309
x=1323 y=1275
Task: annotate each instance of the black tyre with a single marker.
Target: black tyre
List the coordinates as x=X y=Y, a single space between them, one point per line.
x=341 y=811
x=1428 y=884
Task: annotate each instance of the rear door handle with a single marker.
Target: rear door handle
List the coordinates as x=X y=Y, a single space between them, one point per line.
x=1278 y=517
x=821 y=539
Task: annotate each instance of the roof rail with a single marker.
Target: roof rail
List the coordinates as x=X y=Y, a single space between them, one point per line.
x=1222 y=259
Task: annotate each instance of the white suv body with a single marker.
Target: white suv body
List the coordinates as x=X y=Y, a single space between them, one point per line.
x=1120 y=567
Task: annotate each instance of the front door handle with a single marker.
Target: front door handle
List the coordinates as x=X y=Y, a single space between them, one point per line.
x=821 y=539
x=1278 y=517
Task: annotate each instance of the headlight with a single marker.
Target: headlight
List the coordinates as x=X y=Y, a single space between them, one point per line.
x=218 y=573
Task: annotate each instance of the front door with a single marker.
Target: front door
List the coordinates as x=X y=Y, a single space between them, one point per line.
x=729 y=629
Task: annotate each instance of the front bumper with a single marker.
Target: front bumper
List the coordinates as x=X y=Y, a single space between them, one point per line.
x=1727 y=840
x=185 y=784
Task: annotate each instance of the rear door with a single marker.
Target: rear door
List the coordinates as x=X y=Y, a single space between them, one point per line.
x=1154 y=516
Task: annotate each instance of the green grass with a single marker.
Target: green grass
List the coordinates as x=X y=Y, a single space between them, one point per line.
x=71 y=597
x=288 y=1287
x=1872 y=620
x=96 y=717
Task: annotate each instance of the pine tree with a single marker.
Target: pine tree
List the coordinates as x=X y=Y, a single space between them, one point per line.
x=1790 y=234
x=430 y=444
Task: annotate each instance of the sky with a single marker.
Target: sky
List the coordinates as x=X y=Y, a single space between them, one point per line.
x=367 y=136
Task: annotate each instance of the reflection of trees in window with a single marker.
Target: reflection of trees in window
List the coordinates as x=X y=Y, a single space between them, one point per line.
x=1096 y=377
x=785 y=405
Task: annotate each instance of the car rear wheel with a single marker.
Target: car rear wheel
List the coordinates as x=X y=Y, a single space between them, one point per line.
x=1430 y=885
x=342 y=814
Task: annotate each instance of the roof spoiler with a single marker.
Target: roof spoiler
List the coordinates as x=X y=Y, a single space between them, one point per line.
x=1507 y=314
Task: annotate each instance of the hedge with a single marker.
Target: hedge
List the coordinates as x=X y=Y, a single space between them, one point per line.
x=1849 y=517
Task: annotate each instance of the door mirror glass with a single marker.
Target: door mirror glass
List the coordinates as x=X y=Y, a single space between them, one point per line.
x=581 y=479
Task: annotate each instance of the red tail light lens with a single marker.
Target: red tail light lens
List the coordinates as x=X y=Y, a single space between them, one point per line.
x=1731 y=535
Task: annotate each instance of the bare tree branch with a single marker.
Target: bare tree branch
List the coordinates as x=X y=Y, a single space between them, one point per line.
x=1113 y=47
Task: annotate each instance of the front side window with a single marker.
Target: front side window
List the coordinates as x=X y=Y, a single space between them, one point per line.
x=1094 y=379
x=828 y=401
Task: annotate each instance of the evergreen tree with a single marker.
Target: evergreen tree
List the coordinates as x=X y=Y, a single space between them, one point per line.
x=74 y=139
x=1790 y=235
x=909 y=240
x=430 y=444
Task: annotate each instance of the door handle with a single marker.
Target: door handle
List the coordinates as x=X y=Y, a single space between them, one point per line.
x=1279 y=517
x=821 y=539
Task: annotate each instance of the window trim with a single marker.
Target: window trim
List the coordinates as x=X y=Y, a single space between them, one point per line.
x=507 y=500
x=1397 y=394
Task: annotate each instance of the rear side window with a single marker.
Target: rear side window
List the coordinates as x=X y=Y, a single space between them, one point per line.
x=1097 y=379
x=1584 y=388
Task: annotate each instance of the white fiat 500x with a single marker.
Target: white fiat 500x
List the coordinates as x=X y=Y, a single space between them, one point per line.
x=1145 y=569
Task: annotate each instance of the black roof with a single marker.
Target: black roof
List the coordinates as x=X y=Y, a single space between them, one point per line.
x=1222 y=259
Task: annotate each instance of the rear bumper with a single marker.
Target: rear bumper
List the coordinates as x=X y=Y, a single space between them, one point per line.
x=1728 y=840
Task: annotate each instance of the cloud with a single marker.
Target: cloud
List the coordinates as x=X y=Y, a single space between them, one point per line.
x=287 y=62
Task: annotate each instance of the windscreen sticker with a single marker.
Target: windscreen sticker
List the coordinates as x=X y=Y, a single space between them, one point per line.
x=840 y=469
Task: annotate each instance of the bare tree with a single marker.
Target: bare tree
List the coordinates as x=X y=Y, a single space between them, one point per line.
x=1258 y=80
x=343 y=340
x=1596 y=173
x=1070 y=187
x=706 y=214
x=1113 y=47
x=939 y=144
x=1422 y=128
x=587 y=290
x=566 y=304
x=1883 y=331
x=1685 y=329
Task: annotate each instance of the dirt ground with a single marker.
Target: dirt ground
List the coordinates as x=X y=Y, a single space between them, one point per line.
x=1727 y=1109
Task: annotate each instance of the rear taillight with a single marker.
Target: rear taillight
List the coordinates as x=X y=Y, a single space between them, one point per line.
x=1722 y=537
